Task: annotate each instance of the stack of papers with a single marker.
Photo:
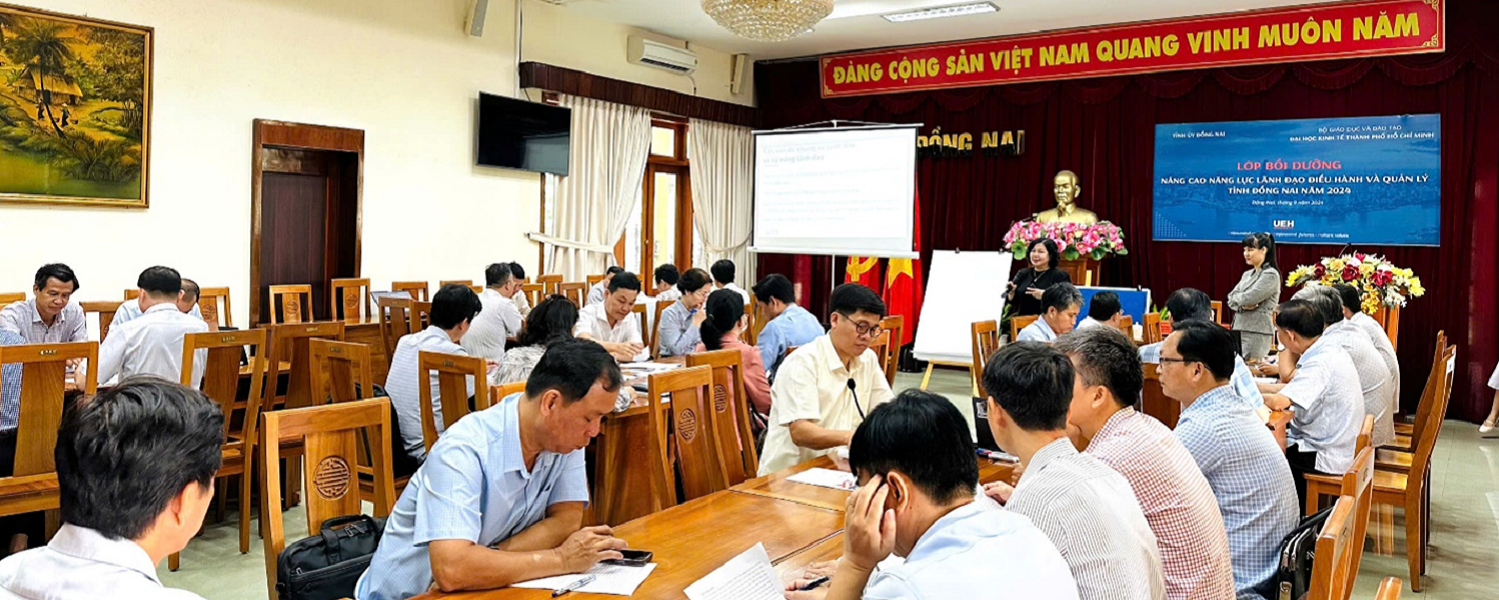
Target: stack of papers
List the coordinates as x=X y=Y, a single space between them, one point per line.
x=748 y=576
x=608 y=579
x=828 y=478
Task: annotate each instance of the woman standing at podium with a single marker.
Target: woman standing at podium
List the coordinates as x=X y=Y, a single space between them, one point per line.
x=1027 y=286
x=1255 y=297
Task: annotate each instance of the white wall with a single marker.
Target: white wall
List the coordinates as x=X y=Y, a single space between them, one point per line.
x=569 y=37
x=403 y=71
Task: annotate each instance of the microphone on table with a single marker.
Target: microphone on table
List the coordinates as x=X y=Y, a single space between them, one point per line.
x=853 y=389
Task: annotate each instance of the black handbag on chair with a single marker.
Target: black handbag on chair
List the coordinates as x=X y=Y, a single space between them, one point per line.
x=1293 y=572
x=327 y=566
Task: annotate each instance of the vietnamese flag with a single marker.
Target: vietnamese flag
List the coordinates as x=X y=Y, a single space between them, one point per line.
x=863 y=270
x=903 y=282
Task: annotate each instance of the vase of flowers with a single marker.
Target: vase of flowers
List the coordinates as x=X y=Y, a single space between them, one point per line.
x=1380 y=283
x=1074 y=240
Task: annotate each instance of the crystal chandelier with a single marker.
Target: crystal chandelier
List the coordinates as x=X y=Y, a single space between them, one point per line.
x=768 y=20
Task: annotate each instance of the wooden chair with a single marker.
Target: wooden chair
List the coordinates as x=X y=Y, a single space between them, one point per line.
x=296 y=304
x=1152 y=328
x=881 y=348
x=535 y=292
x=329 y=435
x=729 y=420
x=1389 y=589
x=347 y=296
x=417 y=289
x=1411 y=490
x=985 y=336
x=1404 y=440
x=343 y=368
x=575 y=291
x=1019 y=323
x=221 y=377
x=32 y=485
x=292 y=344
x=395 y=323
x=1127 y=326
x=680 y=422
x=1219 y=316
x=647 y=333
x=9 y=298
x=1336 y=485
x=1332 y=576
x=593 y=280
x=549 y=283
x=498 y=393
x=420 y=315
x=213 y=302
x=655 y=328
x=452 y=373
x=751 y=334
x=106 y=311
x=896 y=325
x=469 y=283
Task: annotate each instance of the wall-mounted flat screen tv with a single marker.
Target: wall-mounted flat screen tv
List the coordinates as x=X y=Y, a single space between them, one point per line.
x=516 y=134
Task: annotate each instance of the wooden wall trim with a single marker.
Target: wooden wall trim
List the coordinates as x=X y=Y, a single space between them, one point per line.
x=577 y=83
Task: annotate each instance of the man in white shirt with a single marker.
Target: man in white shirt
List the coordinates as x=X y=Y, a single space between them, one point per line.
x=453 y=310
x=187 y=302
x=1104 y=310
x=823 y=390
x=666 y=283
x=1324 y=394
x=499 y=320
x=152 y=344
x=1353 y=312
x=914 y=458
x=723 y=278
x=116 y=529
x=522 y=304
x=599 y=290
x=1373 y=374
x=1060 y=304
x=612 y=322
x=1085 y=507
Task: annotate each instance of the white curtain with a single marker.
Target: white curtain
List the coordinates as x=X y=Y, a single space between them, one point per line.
x=610 y=143
x=722 y=158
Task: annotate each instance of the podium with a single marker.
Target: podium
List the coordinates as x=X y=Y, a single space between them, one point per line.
x=1389 y=318
x=1084 y=271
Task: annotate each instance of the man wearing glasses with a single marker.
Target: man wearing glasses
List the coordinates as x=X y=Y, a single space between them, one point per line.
x=823 y=390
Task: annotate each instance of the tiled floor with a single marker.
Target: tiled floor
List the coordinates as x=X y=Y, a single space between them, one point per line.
x=1464 y=553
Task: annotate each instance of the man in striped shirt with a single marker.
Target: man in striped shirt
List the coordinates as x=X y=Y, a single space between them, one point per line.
x=1177 y=500
x=1083 y=506
x=1236 y=452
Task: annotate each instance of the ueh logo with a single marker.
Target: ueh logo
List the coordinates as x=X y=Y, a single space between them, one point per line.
x=1285 y=224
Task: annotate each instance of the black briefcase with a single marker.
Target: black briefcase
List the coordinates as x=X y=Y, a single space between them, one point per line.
x=327 y=566
x=1293 y=573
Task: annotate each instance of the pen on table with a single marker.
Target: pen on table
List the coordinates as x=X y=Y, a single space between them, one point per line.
x=812 y=585
x=574 y=585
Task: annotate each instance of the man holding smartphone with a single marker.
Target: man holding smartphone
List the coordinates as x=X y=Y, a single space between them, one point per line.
x=500 y=498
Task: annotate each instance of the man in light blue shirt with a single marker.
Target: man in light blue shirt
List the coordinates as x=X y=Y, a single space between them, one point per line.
x=501 y=497
x=678 y=330
x=1060 y=305
x=1324 y=394
x=453 y=310
x=787 y=324
x=187 y=301
x=1189 y=304
x=1236 y=452
x=914 y=458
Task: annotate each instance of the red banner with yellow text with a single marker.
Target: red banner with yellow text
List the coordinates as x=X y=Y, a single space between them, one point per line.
x=1336 y=30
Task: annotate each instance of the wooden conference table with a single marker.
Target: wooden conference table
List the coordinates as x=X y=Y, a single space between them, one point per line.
x=799 y=525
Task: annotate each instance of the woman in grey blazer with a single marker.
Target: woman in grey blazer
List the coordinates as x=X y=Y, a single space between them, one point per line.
x=1255 y=297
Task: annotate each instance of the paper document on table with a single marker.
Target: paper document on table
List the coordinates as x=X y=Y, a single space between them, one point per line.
x=1263 y=412
x=608 y=579
x=827 y=478
x=748 y=576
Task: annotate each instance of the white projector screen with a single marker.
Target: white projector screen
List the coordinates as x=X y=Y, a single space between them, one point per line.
x=844 y=192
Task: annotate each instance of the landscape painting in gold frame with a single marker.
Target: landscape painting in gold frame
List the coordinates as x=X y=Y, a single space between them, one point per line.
x=75 y=109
